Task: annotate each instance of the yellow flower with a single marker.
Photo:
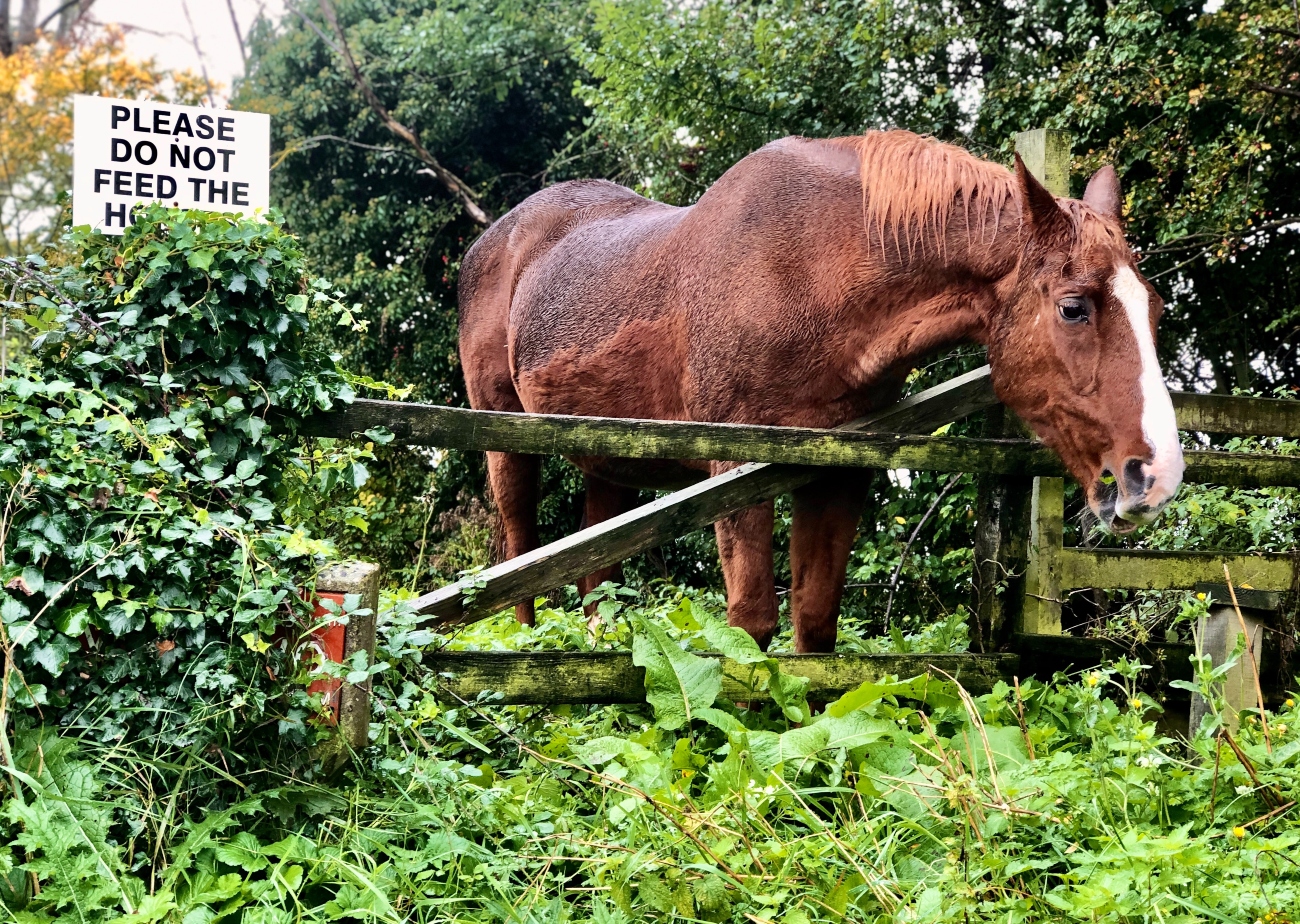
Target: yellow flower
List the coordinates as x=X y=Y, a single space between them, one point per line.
x=1200 y=596
x=1239 y=831
x=1290 y=703
x=1093 y=679
x=900 y=521
x=1135 y=703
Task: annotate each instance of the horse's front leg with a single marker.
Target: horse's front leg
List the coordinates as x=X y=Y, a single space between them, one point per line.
x=604 y=500
x=825 y=523
x=745 y=546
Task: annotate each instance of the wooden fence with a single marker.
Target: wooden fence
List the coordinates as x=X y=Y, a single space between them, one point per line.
x=1023 y=570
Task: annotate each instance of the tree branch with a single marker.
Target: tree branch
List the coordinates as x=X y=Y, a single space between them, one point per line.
x=1271 y=30
x=6 y=40
x=1279 y=91
x=453 y=183
x=239 y=36
x=27 y=22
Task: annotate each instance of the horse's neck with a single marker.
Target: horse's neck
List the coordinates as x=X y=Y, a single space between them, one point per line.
x=909 y=303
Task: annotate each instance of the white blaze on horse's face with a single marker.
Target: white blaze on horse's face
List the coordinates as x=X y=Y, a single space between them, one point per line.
x=1146 y=490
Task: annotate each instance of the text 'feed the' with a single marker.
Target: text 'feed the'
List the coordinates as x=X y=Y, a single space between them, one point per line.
x=128 y=152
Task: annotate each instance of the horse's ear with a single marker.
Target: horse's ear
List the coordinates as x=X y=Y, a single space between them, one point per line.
x=1044 y=217
x=1102 y=194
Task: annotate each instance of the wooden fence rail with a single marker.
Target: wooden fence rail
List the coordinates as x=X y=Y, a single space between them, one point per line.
x=553 y=434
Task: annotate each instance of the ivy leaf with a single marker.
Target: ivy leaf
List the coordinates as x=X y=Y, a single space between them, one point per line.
x=255 y=642
x=200 y=259
x=74 y=620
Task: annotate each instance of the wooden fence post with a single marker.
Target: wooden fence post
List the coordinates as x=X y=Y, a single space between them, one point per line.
x=1041 y=614
x=1001 y=534
x=1006 y=539
x=1217 y=635
x=1046 y=153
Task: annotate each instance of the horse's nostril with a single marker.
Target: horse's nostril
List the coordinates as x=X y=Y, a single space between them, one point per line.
x=1136 y=481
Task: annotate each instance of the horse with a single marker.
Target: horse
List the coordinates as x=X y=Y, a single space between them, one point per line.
x=799 y=290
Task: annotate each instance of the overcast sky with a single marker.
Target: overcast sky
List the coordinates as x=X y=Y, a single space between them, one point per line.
x=169 y=30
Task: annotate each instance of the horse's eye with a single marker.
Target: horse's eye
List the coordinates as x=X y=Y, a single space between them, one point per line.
x=1073 y=310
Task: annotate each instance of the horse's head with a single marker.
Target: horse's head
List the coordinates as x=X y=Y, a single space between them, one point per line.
x=1073 y=352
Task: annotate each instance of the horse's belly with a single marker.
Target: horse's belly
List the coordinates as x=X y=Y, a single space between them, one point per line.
x=653 y=474
x=638 y=371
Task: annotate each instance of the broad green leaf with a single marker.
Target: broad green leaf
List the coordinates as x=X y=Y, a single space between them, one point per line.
x=677 y=683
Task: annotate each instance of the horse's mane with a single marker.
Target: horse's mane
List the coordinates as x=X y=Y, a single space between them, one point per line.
x=912 y=185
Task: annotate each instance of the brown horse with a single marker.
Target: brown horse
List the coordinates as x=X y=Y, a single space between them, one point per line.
x=799 y=290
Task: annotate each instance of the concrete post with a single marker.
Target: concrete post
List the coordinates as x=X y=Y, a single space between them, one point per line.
x=362 y=579
x=1217 y=635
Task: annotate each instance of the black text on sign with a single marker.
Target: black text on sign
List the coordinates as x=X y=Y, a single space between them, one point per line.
x=127 y=152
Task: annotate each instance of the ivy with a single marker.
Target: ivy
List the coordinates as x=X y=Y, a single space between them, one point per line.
x=155 y=510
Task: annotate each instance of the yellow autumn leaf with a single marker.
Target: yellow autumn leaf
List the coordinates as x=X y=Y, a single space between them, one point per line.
x=255 y=642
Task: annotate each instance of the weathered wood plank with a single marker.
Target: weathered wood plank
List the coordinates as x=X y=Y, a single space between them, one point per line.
x=1043 y=655
x=677 y=514
x=610 y=677
x=1236 y=416
x=566 y=560
x=1146 y=570
x=545 y=434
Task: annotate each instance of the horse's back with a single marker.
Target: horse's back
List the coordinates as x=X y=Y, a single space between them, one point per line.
x=492 y=268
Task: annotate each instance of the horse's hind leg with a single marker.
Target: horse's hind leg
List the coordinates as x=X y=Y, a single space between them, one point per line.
x=745 y=546
x=826 y=515
x=516 y=482
x=603 y=500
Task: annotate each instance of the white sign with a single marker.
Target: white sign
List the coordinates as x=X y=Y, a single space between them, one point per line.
x=126 y=152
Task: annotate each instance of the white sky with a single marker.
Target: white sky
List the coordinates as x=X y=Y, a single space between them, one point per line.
x=161 y=30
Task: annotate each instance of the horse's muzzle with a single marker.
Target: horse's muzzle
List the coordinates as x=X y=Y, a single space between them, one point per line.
x=1137 y=494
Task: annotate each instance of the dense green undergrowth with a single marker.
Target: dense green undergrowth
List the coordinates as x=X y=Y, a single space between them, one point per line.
x=159 y=521
x=903 y=801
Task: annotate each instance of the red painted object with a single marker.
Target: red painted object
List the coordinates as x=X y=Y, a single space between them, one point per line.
x=329 y=640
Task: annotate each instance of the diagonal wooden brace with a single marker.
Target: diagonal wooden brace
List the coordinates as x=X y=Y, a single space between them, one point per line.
x=681 y=512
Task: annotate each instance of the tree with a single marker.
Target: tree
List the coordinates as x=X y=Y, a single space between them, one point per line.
x=484 y=88
x=1200 y=112
x=37 y=83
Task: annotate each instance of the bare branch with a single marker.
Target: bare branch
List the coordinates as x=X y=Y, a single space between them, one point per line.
x=198 y=52
x=1279 y=91
x=306 y=144
x=239 y=36
x=68 y=14
x=453 y=183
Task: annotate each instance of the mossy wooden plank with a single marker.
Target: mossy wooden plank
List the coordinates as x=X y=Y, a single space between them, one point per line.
x=545 y=434
x=1145 y=570
x=610 y=677
x=1044 y=655
x=677 y=514
x=1237 y=416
